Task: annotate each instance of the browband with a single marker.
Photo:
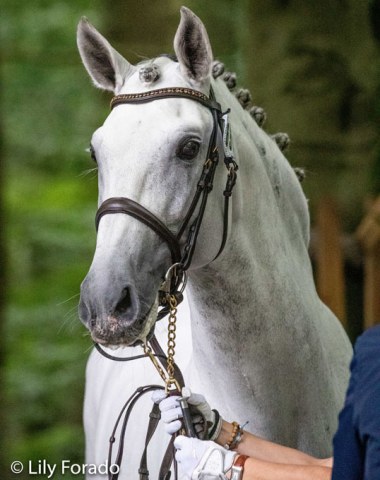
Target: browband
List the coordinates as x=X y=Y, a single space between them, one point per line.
x=169 y=92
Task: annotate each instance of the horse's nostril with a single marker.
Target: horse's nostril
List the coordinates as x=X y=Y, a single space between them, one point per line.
x=126 y=307
x=125 y=301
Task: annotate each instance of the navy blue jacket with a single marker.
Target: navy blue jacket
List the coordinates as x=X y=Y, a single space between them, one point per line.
x=357 y=441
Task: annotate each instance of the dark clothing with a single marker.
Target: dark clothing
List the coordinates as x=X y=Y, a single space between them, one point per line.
x=357 y=441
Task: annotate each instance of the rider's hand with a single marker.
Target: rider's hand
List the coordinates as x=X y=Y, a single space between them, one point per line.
x=199 y=459
x=171 y=412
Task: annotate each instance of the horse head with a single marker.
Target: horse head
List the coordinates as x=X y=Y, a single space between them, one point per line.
x=152 y=153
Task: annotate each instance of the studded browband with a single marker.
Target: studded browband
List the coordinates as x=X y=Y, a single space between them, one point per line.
x=165 y=93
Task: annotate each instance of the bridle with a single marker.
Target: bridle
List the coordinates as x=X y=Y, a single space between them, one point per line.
x=128 y=206
x=175 y=278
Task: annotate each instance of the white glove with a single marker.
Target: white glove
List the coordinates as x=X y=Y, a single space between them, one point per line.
x=202 y=460
x=171 y=413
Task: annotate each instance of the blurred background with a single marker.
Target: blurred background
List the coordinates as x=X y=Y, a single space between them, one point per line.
x=314 y=68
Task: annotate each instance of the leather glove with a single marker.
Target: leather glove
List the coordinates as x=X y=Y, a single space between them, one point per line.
x=171 y=412
x=202 y=460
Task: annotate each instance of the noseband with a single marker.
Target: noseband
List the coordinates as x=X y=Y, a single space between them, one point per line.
x=204 y=185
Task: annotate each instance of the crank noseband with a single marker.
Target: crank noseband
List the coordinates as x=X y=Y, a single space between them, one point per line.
x=135 y=210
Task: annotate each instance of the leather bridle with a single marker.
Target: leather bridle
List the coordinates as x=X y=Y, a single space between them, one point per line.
x=204 y=186
x=181 y=258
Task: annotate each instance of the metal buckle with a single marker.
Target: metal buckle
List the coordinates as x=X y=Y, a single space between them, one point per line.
x=176 y=273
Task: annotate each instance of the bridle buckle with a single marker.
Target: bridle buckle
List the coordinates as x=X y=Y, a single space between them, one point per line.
x=174 y=283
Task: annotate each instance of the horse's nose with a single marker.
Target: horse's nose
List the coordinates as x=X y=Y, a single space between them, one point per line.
x=115 y=305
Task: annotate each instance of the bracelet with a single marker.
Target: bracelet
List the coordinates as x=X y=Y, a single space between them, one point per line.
x=235 y=430
x=238 y=467
x=236 y=437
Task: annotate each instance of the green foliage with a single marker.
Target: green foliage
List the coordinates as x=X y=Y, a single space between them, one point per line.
x=49 y=112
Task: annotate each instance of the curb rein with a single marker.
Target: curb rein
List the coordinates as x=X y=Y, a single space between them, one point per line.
x=170 y=292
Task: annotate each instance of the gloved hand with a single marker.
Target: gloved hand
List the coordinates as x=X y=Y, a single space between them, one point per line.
x=171 y=412
x=202 y=460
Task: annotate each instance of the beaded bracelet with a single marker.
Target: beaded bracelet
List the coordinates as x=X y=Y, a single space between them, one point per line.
x=236 y=436
x=235 y=430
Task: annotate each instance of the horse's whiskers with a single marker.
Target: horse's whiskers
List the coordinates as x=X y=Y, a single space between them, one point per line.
x=70 y=321
x=68 y=299
x=87 y=172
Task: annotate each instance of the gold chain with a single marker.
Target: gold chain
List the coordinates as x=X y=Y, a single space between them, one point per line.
x=170 y=380
x=172 y=334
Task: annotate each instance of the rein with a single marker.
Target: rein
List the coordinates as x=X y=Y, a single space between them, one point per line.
x=170 y=292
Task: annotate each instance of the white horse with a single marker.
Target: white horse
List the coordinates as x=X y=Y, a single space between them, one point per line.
x=264 y=347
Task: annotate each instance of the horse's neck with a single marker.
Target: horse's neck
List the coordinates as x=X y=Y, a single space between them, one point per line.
x=241 y=298
x=249 y=320
x=263 y=281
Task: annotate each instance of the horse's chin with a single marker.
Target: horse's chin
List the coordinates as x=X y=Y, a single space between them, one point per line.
x=115 y=336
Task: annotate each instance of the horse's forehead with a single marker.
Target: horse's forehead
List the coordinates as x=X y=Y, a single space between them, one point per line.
x=159 y=121
x=169 y=75
x=155 y=116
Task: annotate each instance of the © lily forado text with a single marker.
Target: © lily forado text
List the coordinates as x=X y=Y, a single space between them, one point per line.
x=48 y=470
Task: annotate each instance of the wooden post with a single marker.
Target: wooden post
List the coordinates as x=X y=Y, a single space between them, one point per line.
x=330 y=261
x=368 y=234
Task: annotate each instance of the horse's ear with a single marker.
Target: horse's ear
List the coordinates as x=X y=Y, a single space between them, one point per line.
x=107 y=68
x=192 y=47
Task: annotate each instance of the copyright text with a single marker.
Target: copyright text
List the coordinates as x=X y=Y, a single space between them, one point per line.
x=47 y=470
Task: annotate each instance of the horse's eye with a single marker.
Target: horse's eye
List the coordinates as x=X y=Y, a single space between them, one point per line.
x=92 y=153
x=188 y=150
